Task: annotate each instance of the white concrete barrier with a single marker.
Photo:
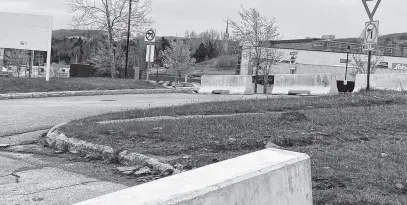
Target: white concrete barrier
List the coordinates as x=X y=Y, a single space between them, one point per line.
x=396 y=82
x=267 y=177
x=314 y=84
x=233 y=84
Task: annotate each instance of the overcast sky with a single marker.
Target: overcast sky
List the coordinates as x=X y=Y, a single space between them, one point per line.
x=296 y=18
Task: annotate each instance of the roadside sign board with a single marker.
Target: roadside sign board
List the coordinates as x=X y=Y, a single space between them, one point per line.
x=371 y=32
x=343 y=61
x=369 y=13
x=150 y=35
x=383 y=65
x=399 y=66
x=150 y=53
x=368 y=47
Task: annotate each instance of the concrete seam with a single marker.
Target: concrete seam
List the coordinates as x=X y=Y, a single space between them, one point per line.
x=58 y=140
x=89 y=93
x=72 y=185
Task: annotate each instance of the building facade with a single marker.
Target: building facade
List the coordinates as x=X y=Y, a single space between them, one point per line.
x=323 y=56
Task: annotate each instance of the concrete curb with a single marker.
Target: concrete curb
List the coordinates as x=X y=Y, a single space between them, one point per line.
x=58 y=140
x=9 y=96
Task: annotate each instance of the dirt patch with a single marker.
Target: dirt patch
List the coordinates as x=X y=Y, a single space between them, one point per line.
x=293 y=116
x=324 y=183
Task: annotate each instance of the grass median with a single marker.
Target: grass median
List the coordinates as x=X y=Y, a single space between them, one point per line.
x=25 y=85
x=356 y=142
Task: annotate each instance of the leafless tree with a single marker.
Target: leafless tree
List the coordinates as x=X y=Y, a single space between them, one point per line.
x=111 y=16
x=18 y=58
x=255 y=32
x=178 y=57
x=271 y=57
x=359 y=61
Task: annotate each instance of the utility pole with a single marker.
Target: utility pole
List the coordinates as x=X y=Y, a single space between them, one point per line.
x=128 y=41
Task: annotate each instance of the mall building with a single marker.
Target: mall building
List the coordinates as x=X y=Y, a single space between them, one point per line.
x=324 y=55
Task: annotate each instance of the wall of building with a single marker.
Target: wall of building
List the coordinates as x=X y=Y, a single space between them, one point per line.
x=319 y=62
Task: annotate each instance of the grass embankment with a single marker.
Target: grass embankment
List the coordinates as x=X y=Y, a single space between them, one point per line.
x=24 y=85
x=357 y=143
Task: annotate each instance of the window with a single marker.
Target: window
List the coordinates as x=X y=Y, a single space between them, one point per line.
x=318 y=44
x=332 y=45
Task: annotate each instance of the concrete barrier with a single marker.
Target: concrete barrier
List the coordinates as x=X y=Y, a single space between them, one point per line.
x=267 y=177
x=234 y=84
x=313 y=84
x=382 y=81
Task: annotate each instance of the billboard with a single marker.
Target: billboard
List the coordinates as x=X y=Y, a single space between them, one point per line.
x=25 y=31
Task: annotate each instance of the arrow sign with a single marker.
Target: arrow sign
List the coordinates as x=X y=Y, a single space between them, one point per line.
x=371 y=32
x=371 y=14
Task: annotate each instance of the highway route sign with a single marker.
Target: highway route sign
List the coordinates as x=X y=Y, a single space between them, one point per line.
x=150 y=35
x=371 y=32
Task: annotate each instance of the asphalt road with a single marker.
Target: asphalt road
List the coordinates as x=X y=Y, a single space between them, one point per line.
x=45 y=178
x=25 y=115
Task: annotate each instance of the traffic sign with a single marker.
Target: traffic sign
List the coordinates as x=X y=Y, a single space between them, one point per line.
x=368 y=47
x=150 y=53
x=371 y=32
x=150 y=35
x=293 y=53
x=371 y=14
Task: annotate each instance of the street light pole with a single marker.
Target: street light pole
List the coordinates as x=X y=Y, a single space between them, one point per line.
x=128 y=41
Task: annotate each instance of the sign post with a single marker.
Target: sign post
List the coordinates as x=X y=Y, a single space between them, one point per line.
x=149 y=38
x=371 y=36
x=293 y=65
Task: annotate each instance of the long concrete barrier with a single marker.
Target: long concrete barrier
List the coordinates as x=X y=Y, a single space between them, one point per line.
x=396 y=82
x=313 y=84
x=232 y=84
x=267 y=177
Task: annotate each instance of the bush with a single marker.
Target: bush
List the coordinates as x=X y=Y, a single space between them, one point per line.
x=227 y=61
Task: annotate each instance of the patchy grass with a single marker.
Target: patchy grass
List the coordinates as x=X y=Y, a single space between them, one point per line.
x=263 y=105
x=23 y=85
x=345 y=144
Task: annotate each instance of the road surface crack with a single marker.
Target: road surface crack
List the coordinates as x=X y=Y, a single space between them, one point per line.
x=53 y=189
x=16 y=176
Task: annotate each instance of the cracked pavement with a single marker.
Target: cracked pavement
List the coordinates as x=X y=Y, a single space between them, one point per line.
x=27 y=180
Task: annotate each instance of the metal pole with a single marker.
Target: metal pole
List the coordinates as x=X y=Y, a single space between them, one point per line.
x=156 y=80
x=148 y=61
x=347 y=60
x=128 y=41
x=368 y=71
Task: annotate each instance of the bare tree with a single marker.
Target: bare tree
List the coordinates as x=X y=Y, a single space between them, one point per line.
x=111 y=16
x=255 y=32
x=178 y=57
x=18 y=58
x=271 y=57
x=359 y=61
